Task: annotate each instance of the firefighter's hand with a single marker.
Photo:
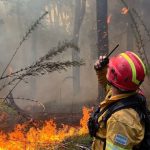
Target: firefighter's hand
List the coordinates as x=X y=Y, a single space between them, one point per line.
x=101 y=73
x=97 y=64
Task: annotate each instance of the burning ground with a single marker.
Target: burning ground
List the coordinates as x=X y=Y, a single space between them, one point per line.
x=46 y=136
x=32 y=36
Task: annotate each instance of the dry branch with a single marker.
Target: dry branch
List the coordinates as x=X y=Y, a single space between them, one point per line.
x=142 y=22
x=51 y=53
x=82 y=147
x=43 y=65
x=27 y=99
x=137 y=34
x=25 y=37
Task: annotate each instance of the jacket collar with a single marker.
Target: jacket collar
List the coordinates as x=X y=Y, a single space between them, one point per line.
x=110 y=99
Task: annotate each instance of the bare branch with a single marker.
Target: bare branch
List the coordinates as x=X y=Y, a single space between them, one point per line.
x=137 y=34
x=51 y=53
x=25 y=37
x=27 y=99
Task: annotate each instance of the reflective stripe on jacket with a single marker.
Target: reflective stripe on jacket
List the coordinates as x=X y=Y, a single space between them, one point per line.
x=123 y=129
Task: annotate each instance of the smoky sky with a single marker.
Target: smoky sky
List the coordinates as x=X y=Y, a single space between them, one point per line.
x=16 y=17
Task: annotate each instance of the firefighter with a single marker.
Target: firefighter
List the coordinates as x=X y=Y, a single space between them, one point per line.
x=123 y=130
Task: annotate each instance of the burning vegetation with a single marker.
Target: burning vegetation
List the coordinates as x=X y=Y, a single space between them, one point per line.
x=30 y=134
x=58 y=21
x=46 y=136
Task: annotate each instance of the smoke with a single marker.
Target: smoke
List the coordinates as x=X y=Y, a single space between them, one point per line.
x=56 y=89
x=130 y=30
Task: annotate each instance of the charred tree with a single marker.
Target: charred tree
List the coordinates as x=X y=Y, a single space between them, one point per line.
x=102 y=27
x=102 y=35
x=80 y=7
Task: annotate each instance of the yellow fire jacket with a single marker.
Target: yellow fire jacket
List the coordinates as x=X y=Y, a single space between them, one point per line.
x=123 y=129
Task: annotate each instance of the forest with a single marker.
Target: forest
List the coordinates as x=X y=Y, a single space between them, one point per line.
x=48 y=85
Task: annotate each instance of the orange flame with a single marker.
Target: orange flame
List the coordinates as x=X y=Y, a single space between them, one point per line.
x=48 y=135
x=124 y=10
x=109 y=19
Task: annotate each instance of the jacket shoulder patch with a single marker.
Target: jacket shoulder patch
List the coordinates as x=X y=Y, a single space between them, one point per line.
x=120 y=139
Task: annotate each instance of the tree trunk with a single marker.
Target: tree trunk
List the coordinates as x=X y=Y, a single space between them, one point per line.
x=102 y=27
x=102 y=35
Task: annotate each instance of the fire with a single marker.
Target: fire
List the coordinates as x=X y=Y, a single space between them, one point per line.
x=48 y=135
x=109 y=19
x=124 y=10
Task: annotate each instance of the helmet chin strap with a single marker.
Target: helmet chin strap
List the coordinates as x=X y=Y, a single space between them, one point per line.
x=120 y=91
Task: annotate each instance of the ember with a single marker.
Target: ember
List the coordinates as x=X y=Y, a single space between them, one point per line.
x=48 y=135
x=124 y=10
x=109 y=19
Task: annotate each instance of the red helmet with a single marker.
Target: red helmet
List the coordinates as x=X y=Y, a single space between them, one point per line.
x=126 y=71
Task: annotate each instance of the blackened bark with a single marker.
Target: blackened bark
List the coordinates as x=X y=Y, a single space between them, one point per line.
x=102 y=27
x=102 y=36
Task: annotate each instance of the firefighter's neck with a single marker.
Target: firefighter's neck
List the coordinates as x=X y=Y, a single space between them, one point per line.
x=115 y=91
